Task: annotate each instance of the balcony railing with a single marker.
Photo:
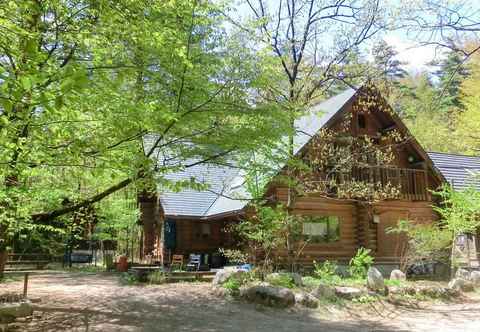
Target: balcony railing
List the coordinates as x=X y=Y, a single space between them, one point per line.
x=411 y=183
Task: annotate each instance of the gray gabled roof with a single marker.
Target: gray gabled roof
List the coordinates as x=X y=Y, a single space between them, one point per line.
x=226 y=192
x=460 y=171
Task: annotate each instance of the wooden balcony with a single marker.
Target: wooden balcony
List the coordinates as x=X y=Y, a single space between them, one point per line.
x=412 y=183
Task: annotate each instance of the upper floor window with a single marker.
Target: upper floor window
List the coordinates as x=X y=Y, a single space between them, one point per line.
x=321 y=229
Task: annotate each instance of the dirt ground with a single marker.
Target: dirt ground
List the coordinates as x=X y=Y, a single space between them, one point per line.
x=100 y=302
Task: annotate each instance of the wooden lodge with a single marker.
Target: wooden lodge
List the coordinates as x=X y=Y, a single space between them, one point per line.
x=196 y=221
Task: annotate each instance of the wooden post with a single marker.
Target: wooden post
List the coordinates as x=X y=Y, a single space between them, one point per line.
x=25 y=285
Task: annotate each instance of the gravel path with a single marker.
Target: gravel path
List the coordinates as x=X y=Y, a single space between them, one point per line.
x=99 y=302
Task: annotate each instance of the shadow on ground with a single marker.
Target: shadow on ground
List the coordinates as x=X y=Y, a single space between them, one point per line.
x=99 y=302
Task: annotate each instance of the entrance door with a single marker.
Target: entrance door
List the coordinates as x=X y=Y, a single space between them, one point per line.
x=390 y=244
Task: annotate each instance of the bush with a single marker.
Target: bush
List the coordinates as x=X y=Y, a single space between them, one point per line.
x=281 y=280
x=234 y=256
x=232 y=285
x=360 y=263
x=326 y=272
x=426 y=243
x=157 y=277
x=129 y=279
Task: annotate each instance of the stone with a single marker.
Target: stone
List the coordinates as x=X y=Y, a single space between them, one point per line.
x=408 y=290
x=223 y=275
x=268 y=295
x=462 y=274
x=348 y=293
x=375 y=280
x=306 y=300
x=475 y=278
x=398 y=275
x=219 y=291
x=461 y=284
x=16 y=309
x=324 y=291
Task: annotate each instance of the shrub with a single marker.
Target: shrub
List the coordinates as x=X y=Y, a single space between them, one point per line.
x=232 y=285
x=326 y=272
x=234 y=256
x=360 y=263
x=127 y=278
x=281 y=280
x=157 y=277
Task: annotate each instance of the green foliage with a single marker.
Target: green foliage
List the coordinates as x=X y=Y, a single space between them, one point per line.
x=269 y=229
x=235 y=281
x=426 y=242
x=360 y=263
x=232 y=285
x=365 y=299
x=234 y=256
x=281 y=280
x=157 y=278
x=459 y=209
x=393 y=282
x=80 y=93
x=326 y=272
x=128 y=279
x=311 y=282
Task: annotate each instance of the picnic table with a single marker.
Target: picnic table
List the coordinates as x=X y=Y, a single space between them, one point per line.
x=40 y=261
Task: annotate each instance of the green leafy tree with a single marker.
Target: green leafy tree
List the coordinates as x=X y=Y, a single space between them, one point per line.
x=84 y=82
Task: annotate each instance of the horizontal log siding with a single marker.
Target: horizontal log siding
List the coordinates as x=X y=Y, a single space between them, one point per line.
x=356 y=226
x=320 y=206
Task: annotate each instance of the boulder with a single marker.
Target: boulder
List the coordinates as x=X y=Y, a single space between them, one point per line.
x=375 y=280
x=462 y=274
x=271 y=296
x=348 y=293
x=324 y=291
x=461 y=284
x=222 y=276
x=398 y=275
x=307 y=300
x=16 y=309
x=475 y=278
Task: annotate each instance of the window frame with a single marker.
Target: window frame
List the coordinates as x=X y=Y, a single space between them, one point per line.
x=330 y=237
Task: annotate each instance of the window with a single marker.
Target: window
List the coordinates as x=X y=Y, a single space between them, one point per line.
x=362 y=121
x=205 y=230
x=321 y=229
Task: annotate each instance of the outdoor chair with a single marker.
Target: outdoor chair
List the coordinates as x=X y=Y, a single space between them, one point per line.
x=194 y=262
x=177 y=260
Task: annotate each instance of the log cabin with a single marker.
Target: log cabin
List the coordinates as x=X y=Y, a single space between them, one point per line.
x=193 y=221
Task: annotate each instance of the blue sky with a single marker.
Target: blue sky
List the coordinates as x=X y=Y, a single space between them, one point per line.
x=409 y=51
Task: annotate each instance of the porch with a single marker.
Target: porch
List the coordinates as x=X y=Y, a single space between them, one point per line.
x=411 y=183
x=185 y=237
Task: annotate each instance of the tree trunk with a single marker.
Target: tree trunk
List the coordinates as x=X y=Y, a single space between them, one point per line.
x=3 y=260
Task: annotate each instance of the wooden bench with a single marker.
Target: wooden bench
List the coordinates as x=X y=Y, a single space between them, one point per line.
x=39 y=261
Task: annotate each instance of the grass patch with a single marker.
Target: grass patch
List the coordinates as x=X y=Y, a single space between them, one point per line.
x=128 y=279
x=232 y=285
x=281 y=280
x=396 y=283
x=10 y=278
x=157 y=278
